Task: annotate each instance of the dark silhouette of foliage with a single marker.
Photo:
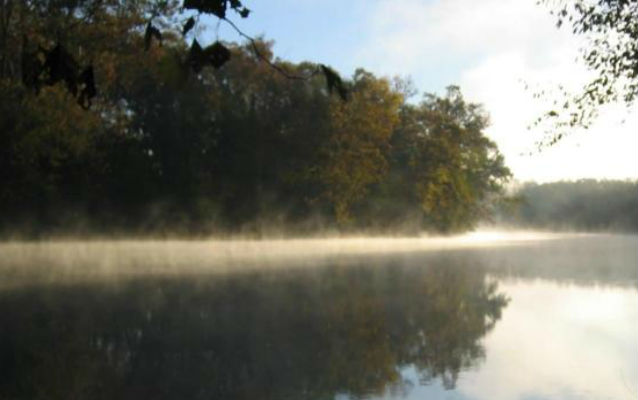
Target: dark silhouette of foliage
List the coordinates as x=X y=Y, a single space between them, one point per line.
x=63 y=65
x=190 y=23
x=150 y=34
x=217 y=7
x=611 y=30
x=214 y=55
x=54 y=66
x=170 y=145
x=334 y=82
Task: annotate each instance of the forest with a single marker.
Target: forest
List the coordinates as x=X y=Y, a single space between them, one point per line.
x=149 y=140
x=583 y=205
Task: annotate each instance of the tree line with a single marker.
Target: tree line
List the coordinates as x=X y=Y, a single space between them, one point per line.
x=587 y=204
x=166 y=147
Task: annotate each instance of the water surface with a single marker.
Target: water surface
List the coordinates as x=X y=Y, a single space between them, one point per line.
x=524 y=316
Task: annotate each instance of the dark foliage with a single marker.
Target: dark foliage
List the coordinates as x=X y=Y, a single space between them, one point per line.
x=235 y=147
x=611 y=31
x=334 y=82
x=51 y=67
x=217 y=7
x=150 y=34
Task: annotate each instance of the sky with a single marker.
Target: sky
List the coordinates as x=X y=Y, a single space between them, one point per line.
x=498 y=51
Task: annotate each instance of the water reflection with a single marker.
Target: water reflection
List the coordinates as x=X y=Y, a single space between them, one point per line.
x=285 y=334
x=554 y=342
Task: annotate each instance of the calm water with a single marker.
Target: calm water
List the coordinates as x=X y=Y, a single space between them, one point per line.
x=481 y=317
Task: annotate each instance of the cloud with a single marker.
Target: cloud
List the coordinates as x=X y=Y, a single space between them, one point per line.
x=409 y=33
x=493 y=48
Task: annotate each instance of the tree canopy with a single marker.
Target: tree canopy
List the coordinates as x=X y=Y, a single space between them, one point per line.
x=168 y=145
x=50 y=61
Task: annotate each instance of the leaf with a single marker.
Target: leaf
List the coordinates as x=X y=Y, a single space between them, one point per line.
x=217 y=54
x=334 y=82
x=552 y=113
x=151 y=32
x=188 y=26
x=244 y=12
x=60 y=66
x=196 y=57
x=215 y=7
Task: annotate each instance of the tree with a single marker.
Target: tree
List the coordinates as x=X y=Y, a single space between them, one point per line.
x=445 y=162
x=46 y=59
x=170 y=145
x=611 y=29
x=361 y=130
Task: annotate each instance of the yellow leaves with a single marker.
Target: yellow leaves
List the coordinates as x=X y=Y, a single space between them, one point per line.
x=361 y=129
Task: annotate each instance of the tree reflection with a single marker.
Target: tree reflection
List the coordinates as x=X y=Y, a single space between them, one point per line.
x=274 y=335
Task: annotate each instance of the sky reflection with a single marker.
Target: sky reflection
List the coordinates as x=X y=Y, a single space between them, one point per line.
x=553 y=342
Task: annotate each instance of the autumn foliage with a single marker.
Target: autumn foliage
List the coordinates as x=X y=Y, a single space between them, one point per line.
x=157 y=145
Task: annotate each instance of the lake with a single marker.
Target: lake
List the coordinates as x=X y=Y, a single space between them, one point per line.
x=482 y=316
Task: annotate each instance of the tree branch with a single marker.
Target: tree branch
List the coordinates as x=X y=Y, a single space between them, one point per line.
x=265 y=59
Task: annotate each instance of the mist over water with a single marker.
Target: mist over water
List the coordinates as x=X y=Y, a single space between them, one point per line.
x=486 y=315
x=106 y=257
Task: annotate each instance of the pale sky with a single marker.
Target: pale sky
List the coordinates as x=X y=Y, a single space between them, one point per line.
x=490 y=48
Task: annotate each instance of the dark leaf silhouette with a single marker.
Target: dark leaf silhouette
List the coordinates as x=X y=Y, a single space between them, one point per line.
x=151 y=32
x=334 y=82
x=217 y=54
x=59 y=65
x=196 y=57
x=216 y=7
x=188 y=26
x=214 y=55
